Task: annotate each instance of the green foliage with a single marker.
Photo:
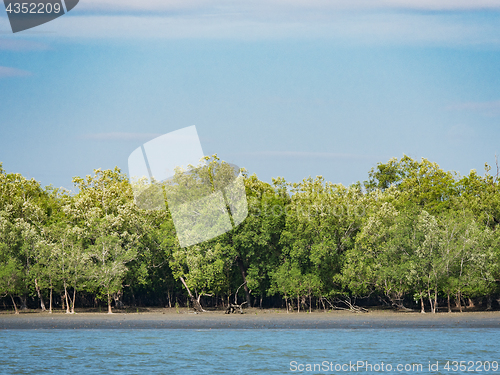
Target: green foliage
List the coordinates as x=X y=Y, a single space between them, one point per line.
x=415 y=232
x=10 y=274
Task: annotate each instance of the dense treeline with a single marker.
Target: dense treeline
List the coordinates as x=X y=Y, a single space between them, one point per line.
x=411 y=235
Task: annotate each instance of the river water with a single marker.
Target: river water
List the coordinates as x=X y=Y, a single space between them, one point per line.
x=250 y=351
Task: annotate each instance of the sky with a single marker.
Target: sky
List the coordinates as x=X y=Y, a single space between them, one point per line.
x=289 y=88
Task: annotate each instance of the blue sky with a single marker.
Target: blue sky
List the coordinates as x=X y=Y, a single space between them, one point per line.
x=281 y=87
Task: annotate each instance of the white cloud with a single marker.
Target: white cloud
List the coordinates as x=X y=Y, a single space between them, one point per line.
x=260 y=6
x=441 y=4
x=145 y=5
x=6 y=72
x=364 y=28
x=20 y=45
x=490 y=108
x=460 y=133
x=362 y=21
x=307 y=154
x=120 y=136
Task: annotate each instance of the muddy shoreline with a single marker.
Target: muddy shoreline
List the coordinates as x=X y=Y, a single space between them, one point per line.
x=252 y=319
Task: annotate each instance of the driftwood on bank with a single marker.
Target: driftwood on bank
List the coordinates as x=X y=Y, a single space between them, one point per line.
x=195 y=301
x=397 y=304
x=350 y=306
x=231 y=308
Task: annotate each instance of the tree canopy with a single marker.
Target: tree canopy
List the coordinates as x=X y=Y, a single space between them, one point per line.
x=411 y=236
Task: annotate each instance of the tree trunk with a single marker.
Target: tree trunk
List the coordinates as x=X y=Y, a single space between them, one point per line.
x=117 y=297
x=436 y=301
x=449 y=305
x=109 y=305
x=66 y=298
x=133 y=296
x=298 y=304
x=471 y=303
x=245 y=287
x=309 y=301
x=14 y=303
x=422 y=306
x=73 y=302
x=489 y=303
x=196 y=303
x=24 y=303
x=50 y=300
x=37 y=288
x=433 y=308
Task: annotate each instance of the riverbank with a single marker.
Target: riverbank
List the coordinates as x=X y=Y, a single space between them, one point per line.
x=252 y=319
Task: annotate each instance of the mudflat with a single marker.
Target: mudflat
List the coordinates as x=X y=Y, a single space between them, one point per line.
x=251 y=319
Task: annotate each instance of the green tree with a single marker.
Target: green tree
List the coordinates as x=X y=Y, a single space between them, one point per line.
x=321 y=223
x=105 y=213
x=11 y=275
